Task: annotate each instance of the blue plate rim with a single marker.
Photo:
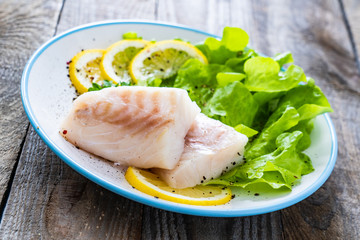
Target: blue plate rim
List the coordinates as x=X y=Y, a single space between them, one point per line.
x=161 y=204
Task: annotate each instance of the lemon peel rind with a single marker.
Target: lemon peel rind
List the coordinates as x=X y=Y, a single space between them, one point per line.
x=112 y=50
x=161 y=46
x=74 y=65
x=132 y=175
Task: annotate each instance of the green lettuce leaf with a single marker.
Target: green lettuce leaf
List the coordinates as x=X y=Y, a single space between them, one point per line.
x=131 y=35
x=106 y=84
x=308 y=99
x=225 y=78
x=249 y=132
x=232 y=105
x=234 y=40
x=278 y=123
x=306 y=127
x=199 y=80
x=280 y=168
x=284 y=58
x=264 y=75
x=267 y=99
x=294 y=112
x=215 y=52
x=237 y=63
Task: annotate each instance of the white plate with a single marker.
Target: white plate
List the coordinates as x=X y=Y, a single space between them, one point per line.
x=47 y=97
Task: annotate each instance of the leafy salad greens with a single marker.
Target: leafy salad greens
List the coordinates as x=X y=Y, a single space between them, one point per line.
x=268 y=99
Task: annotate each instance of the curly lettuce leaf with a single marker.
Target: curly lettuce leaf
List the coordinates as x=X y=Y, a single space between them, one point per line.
x=294 y=111
x=237 y=63
x=131 y=35
x=247 y=131
x=279 y=122
x=308 y=99
x=234 y=40
x=264 y=75
x=106 y=84
x=225 y=78
x=199 y=80
x=273 y=106
x=306 y=127
x=232 y=105
x=215 y=52
x=284 y=58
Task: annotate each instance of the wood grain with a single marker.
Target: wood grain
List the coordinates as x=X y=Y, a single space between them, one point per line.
x=48 y=200
x=351 y=15
x=51 y=201
x=87 y=11
x=316 y=35
x=23 y=27
x=210 y=16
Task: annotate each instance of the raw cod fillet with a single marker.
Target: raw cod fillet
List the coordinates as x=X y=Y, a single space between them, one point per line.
x=211 y=147
x=138 y=126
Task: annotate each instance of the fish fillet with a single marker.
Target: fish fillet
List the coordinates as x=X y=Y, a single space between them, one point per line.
x=211 y=147
x=138 y=126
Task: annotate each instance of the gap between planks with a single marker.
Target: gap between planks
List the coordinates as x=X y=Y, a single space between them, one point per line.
x=12 y=176
x=13 y=172
x=351 y=36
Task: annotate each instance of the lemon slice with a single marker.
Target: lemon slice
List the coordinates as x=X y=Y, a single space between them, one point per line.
x=117 y=57
x=84 y=69
x=162 y=60
x=151 y=184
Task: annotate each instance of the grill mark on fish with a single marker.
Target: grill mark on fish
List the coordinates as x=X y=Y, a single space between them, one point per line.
x=118 y=120
x=142 y=127
x=121 y=116
x=126 y=114
x=159 y=124
x=152 y=121
x=105 y=111
x=138 y=121
x=132 y=116
x=155 y=100
x=102 y=108
x=82 y=113
x=139 y=98
x=148 y=115
x=172 y=101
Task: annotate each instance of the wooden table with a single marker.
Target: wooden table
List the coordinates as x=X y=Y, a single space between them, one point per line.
x=42 y=198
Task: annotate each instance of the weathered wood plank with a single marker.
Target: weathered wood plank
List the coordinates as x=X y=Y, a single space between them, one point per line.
x=50 y=200
x=316 y=35
x=21 y=32
x=351 y=15
x=87 y=11
x=210 y=16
